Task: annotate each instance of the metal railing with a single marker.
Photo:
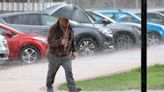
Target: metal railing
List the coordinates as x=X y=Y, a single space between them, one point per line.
x=26 y=6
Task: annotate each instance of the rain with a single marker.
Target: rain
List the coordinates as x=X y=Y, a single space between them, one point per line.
x=107 y=36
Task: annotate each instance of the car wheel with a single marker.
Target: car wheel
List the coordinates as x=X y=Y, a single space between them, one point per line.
x=29 y=54
x=124 y=41
x=86 y=46
x=153 y=39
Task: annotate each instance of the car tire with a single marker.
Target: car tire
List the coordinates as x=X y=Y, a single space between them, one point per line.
x=153 y=39
x=29 y=54
x=124 y=41
x=86 y=46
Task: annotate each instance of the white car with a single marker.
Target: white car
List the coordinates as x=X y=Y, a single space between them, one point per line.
x=4 y=51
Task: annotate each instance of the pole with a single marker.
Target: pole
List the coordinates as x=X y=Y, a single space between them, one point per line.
x=144 y=46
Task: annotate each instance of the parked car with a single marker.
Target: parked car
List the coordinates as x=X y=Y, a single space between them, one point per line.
x=154 y=17
x=121 y=31
x=83 y=18
x=4 y=51
x=155 y=31
x=29 y=47
x=88 y=39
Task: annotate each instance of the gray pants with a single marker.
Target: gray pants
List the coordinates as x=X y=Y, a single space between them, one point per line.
x=54 y=63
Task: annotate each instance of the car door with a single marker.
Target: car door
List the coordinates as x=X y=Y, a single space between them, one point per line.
x=109 y=15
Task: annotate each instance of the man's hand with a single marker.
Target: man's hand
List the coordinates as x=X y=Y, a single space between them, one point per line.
x=73 y=55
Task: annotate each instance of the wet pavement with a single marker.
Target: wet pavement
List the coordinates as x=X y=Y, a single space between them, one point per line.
x=32 y=78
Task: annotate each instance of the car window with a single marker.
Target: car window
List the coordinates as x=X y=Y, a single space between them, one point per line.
x=23 y=19
x=12 y=20
x=30 y=19
x=98 y=19
x=127 y=18
x=48 y=20
x=155 y=18
x=152 y=15
x=81 y=17
x=112 y=16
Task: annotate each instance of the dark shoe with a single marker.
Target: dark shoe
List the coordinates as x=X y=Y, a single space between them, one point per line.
x=50 y=90
x=74 y=89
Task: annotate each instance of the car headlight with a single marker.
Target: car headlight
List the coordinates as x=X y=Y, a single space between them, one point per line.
x=41 y=39
x=106 y=32
x=3 y=43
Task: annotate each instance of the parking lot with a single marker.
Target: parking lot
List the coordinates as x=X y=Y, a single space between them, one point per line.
x=32 y=78
x=106 y=34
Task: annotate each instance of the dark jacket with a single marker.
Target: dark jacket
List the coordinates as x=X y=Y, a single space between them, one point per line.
x=55 y=36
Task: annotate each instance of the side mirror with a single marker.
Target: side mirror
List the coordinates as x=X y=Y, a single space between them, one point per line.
x=105 y=21
x=8 y=33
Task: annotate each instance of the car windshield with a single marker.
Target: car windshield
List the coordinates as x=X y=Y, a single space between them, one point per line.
x=124 y=17
x=91 y=16
x=111 y=16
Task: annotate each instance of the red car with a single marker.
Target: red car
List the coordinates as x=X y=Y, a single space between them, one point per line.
x=29 y=47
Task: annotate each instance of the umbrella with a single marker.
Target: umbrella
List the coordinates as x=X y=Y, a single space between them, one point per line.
x=68 y=11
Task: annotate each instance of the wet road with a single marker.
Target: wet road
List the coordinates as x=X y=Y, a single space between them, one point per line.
x=32 y=78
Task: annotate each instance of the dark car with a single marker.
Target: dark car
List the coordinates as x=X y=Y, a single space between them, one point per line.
x=121 y=31
x=128 y=31
x=155 y=32
x=88 y=39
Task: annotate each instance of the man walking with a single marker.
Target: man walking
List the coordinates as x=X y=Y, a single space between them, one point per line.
x=61 y=51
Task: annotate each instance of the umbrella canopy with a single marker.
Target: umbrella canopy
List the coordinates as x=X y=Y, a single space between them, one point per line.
x=69 y=11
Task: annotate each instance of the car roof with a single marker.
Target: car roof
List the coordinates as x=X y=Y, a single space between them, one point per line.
x=107 y=11
x=112 y=11
x=154 y=12
x=19 y=13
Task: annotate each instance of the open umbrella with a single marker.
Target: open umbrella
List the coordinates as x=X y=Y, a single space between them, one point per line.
x=68 y=11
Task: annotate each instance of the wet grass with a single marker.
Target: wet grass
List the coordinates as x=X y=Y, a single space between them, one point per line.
x=123 y=81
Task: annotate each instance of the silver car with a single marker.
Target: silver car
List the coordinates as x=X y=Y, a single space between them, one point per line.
x=4 y=51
